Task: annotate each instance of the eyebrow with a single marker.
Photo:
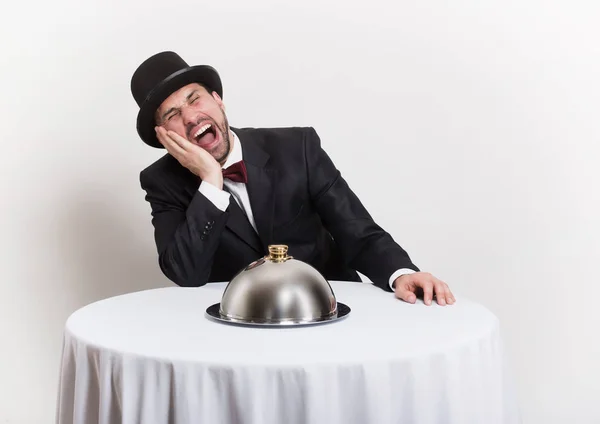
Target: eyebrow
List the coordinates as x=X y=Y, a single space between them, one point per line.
x=173 y=109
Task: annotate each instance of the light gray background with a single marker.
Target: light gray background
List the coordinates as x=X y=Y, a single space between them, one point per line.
x=469 y=129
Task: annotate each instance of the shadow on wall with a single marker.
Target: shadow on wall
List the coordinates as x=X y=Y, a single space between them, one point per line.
x=109 y=249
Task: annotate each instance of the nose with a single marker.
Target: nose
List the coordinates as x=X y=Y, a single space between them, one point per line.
x=188 y=116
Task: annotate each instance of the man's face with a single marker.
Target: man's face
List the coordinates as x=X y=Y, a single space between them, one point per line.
x=199 y=116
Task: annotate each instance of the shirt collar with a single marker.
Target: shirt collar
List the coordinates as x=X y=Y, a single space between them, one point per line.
x=236 y=152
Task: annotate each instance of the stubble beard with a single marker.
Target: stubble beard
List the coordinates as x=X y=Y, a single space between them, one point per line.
x=223 y=128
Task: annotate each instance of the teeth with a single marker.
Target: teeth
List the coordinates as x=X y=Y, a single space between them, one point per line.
x=201 y=130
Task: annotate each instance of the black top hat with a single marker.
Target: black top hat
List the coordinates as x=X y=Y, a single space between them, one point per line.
x=157 y=78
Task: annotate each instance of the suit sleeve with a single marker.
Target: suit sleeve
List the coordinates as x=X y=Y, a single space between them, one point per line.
x=365 y=246
x=186 y=237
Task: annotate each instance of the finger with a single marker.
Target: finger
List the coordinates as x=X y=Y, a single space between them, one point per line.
x=449 y=296
x=166 y=138
x=172 y=147
x=181 y=142
x=427 y=287
x=162 y=137
x=440 y=292
x=406 y=293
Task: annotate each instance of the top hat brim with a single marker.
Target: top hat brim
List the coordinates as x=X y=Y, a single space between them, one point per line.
x=201 y=74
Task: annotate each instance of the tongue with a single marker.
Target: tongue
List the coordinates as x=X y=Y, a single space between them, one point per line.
x=206 y=139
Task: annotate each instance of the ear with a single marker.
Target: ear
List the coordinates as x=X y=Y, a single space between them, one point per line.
x=218 y=100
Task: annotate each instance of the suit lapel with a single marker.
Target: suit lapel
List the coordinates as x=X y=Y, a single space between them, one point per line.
x=261 y=191
x=261 y=186
x=239 y=224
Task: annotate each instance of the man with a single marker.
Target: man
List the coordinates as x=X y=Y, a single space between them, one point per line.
x=222 y=195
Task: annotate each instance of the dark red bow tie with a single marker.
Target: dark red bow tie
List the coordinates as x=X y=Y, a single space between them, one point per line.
x=236 y=172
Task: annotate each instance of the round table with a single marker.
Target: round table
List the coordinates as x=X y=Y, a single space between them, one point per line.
x=155 y=357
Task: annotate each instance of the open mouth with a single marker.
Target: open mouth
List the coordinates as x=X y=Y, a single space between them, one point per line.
x=205 y=135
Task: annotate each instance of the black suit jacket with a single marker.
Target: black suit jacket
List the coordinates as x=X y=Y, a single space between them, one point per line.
x=298 y=198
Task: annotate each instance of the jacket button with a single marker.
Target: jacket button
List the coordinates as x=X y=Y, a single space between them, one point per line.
x=202 y=237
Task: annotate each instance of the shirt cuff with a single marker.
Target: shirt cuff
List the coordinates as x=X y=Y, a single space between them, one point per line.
x=398 y=273
x=219 y=198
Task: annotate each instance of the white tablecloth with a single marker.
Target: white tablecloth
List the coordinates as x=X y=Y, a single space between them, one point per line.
x=154 y=357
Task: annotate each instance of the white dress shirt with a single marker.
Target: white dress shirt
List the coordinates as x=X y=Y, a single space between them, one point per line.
x=220 y=198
